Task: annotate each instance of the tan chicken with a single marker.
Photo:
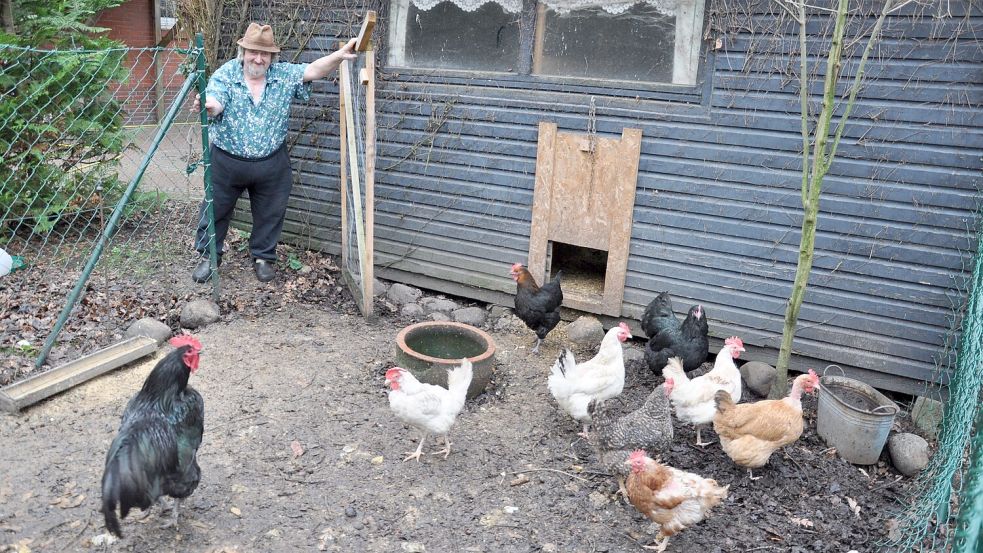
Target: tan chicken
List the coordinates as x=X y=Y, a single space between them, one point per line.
x=750 y=432
x=670 y=497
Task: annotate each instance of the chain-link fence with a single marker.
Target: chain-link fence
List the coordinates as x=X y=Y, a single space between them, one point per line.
x=97 y=207
x=950 y=490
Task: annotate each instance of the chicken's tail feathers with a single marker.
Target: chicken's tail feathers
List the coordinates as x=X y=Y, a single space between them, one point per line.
x=459 y=378
x=131 y=477
x=674 y=370
x=564 y=363
x=723 y=400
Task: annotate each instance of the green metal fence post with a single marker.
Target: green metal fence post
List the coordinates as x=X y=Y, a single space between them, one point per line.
x=202 y=81
x=113 y=221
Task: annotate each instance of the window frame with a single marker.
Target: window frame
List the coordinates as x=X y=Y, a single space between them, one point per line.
x=523 y=78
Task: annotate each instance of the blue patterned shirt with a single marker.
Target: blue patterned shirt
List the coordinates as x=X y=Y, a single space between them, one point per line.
x=254 y=130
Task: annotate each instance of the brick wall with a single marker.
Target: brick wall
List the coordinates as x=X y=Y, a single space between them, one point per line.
x=134 y=23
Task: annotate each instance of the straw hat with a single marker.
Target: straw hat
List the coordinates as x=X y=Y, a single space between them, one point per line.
x=258 y=37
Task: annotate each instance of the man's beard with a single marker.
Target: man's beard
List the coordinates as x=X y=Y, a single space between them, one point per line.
x=254 y=71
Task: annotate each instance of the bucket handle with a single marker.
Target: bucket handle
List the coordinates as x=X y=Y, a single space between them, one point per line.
x=842 y=372
x=888 y=407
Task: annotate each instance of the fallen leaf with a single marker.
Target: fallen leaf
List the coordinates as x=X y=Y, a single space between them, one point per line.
x=803 y=522
x=519 y=480
x=893 y=526
x=296 y=448
x=377 y=460
x=235 y=511
x=853 y=506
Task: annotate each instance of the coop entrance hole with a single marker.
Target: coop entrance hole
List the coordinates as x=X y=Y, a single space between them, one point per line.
x=583 y=269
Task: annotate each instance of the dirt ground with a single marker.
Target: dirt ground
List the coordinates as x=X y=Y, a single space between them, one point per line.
x=301 y=453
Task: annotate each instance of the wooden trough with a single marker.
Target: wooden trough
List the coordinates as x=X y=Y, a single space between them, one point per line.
x=31 y=390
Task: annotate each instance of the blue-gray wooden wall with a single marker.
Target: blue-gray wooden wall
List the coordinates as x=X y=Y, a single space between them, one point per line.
x=718 y=206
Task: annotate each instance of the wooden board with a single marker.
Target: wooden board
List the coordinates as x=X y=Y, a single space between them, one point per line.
x=31 y=390
x=584 y=196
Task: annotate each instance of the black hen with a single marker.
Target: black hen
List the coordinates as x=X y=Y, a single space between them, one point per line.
x=669 y=338
x=154 y=453
x=538 y=307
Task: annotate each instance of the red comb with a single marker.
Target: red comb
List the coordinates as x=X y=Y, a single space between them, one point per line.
x=813 y=374
x=185 y=340
x=516 y=266
x=734 y=341
x=624 y=327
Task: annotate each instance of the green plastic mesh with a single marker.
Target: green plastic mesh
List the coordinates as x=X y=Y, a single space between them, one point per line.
x=925 y=524
x=75 y=129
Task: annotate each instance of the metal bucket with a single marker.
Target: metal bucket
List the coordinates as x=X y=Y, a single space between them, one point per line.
x=854 y=418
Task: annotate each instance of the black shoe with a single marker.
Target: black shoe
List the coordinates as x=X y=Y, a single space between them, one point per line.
x=203 y=272
x=264 y=270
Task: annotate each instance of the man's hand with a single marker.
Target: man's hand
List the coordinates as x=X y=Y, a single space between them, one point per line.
x=347 y=52
x=212 y=106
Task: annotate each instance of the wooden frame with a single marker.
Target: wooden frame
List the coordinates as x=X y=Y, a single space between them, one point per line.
x=365 y=214
x=584 y=196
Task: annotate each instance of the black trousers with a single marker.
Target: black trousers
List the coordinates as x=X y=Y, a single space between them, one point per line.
x=268 y=181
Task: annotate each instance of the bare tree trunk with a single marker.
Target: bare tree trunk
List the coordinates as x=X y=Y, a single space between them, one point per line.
x=7 y=15
x=814 y=169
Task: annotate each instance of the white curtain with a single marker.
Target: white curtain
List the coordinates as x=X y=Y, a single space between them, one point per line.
x=613 y=7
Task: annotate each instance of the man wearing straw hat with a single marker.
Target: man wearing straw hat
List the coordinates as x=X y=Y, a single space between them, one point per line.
x=249 y=99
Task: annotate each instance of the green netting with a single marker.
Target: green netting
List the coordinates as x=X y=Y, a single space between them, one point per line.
x=77 y=130
x=925 y=523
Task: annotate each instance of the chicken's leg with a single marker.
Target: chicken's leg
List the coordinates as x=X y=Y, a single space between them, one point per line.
x=447 y=448
x=660 y=544
x=535 y=348
x=751 y=476
x=700 y=442
x=419 y=450
x=172 y=521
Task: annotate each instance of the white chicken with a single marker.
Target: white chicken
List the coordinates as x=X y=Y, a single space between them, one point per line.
x=693 y=399
x=574 y=384
x=429 y=408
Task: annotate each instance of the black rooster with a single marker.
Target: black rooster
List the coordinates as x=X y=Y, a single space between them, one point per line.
x=154 y=453
x=669 y=338
x=538 y=307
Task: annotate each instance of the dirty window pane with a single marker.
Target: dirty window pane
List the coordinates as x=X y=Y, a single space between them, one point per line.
x=448 y=37
x=637 y=45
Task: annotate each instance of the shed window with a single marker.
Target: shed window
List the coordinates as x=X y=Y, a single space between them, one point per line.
x=649 y=41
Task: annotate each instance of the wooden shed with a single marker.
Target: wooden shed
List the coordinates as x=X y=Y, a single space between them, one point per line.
x=474 y=98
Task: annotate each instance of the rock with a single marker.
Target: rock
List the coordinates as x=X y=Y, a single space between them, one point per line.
x=585 y=331
x=474 y=316
x=439 y=305
x=401 y=294
x=199 y=313
x=412 y=310
x=413 y=547
x=498 y=311
x=438 y=316
x=909 y=453
x=598 y=499
x=758 y=377
x=633 y=354
x=151 y=328
x=379 y=288
x=927 y=416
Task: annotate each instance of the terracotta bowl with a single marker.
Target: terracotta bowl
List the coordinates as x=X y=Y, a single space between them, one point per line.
x=428 y=349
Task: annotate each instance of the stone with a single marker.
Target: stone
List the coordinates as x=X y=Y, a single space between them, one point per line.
x=379 y=288
x=438 y=316
x=909 y=453
x=633 y=353
x=152 y=328
x=498 y=311
x=927 y=416
x=412 y=310
x=758 y=376
x=474 y=316
x=439 y=305
x=199 y=313
x=401 y=294
x=585 y=331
